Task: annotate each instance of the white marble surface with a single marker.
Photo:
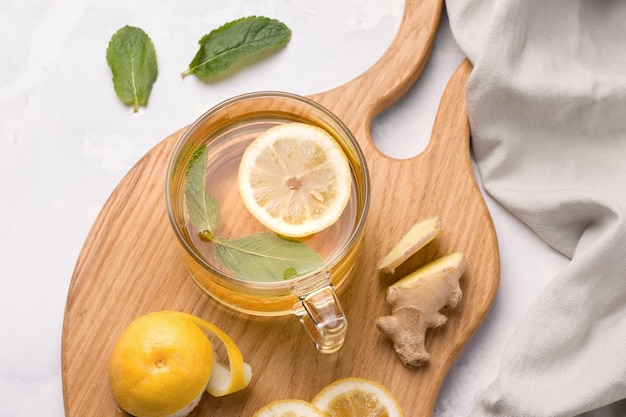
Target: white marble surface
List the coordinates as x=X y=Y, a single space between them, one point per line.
x=66 y=141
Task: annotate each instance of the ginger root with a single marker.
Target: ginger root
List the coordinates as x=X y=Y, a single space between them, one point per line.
x=415 y=302
x=418 y=236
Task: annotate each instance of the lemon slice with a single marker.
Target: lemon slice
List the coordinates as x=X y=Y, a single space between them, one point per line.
x=357 y=397
x=289 y=408
x=295 y=179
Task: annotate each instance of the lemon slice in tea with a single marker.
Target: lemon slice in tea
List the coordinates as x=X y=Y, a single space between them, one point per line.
x=295 y=179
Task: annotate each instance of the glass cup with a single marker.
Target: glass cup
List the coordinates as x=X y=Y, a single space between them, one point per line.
x=226 y=130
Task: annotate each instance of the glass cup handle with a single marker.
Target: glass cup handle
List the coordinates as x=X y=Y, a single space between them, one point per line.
x=324 y=320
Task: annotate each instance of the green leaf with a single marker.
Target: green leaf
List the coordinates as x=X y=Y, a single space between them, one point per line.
x=266 y=257
x=132 y=58
x=202 y=207
x=243 y=37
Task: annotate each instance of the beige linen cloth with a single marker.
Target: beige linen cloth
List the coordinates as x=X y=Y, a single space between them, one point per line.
x=547 y=108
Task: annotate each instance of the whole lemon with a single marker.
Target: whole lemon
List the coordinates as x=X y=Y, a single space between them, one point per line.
x=160 y=365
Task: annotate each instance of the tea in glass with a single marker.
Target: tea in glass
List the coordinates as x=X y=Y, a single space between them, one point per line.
x=205 y=164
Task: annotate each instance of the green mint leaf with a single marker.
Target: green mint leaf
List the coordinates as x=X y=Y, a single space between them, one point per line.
x=132 y=58
x=266 y=257
x=237 y=39
x=202 y=207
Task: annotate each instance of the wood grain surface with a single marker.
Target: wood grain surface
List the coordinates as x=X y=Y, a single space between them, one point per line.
x=130 y=266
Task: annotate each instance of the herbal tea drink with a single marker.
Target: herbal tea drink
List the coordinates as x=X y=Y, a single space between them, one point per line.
x=257 y=237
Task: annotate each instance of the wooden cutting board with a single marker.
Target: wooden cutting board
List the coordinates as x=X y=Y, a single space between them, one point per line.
x=130 y=266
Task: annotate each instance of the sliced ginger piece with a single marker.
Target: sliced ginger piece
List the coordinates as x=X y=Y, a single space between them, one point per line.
x=420 y=234
x=415 y=302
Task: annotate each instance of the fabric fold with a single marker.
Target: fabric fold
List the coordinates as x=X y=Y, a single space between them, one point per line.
x=547 y=106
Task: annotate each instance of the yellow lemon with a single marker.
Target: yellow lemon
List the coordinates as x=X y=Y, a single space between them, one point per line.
x=163 y=362
x=295 y=179
x=357 y=397
x=289 y=408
